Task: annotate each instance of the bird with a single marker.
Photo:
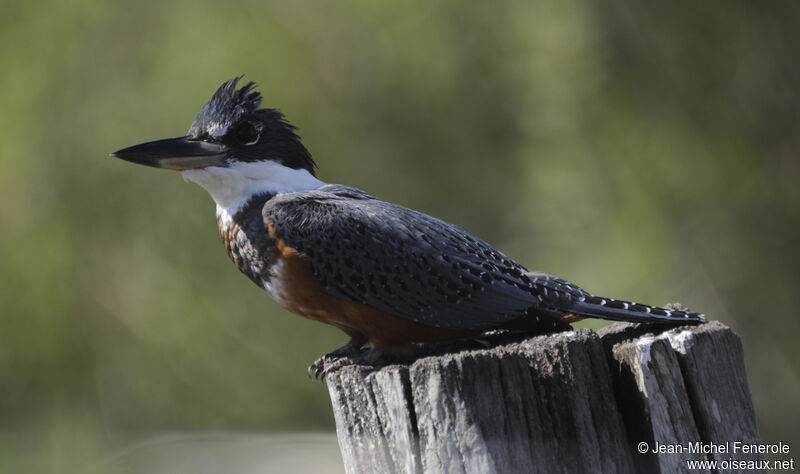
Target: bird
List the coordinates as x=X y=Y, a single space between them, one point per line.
x=388 y=276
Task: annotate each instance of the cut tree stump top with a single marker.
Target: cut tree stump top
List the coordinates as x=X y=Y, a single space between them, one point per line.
x=578 y=401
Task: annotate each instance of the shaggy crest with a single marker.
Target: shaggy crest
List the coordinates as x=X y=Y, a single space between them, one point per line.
x=227 y=106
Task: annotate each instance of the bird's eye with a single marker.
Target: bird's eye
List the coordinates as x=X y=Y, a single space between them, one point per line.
x=246 y=133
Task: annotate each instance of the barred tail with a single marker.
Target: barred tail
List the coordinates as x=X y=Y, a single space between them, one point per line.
x=616 y=310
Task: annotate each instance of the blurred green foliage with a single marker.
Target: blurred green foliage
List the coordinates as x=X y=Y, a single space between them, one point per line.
x=647 y=152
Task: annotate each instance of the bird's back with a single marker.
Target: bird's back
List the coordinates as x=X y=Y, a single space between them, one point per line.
x=368 y=251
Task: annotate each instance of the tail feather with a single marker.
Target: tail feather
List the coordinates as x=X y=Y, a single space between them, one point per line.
x=574 y=303
x=618 y=310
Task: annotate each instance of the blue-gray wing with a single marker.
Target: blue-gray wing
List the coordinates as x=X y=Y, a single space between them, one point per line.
x=365 y=250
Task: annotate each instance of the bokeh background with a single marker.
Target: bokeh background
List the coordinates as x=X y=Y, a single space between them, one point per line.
x=643 y=151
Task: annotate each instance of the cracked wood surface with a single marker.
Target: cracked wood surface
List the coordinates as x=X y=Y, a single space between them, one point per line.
x=577 y=401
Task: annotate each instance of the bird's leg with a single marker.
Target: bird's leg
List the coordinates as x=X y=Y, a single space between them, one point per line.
x=370 y=356
x=352 y=348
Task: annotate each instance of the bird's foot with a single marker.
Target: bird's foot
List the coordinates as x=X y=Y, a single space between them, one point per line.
x=335 y=359
x=371 y=357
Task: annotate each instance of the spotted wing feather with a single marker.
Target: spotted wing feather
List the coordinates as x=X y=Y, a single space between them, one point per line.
x=412 y=265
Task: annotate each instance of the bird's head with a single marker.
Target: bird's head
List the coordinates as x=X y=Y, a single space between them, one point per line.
x=234 y=149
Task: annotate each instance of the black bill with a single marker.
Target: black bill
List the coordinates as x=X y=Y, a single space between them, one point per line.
x=179 y=153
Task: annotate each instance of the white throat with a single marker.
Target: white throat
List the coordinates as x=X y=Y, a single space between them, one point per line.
x=231 y=187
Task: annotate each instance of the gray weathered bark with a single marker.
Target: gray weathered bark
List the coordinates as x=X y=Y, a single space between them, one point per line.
x=570 y=402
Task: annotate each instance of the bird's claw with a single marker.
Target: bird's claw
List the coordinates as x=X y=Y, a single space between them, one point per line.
x=325 y=365
x=316 y=368
x=334 y=360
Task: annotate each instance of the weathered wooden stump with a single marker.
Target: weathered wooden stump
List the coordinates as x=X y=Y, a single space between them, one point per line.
x=578 y=401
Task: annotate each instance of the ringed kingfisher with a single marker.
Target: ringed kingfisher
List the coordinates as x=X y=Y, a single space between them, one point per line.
x=386 y=275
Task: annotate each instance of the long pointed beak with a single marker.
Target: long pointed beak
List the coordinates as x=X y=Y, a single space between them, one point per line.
x=179 y=153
